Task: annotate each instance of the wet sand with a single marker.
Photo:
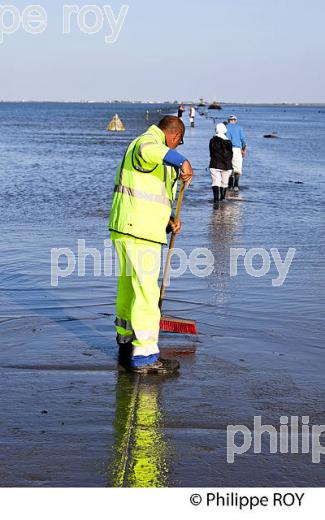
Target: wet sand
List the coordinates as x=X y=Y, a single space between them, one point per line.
x=70 y=417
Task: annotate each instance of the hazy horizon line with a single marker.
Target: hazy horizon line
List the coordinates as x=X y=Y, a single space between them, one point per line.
x=129 y=101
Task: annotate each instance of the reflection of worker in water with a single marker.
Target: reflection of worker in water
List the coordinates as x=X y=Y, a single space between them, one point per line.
x=220 y=162
x=237 y=137
x=140 y=453
x=225 y=230
x=192 y=114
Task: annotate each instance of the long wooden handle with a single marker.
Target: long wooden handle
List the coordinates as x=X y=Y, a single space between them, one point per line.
x=171 y=244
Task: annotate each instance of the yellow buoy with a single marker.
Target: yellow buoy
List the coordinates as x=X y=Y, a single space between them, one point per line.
x=115 y=125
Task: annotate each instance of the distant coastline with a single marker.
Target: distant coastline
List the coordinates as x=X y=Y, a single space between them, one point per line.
x=128 y=102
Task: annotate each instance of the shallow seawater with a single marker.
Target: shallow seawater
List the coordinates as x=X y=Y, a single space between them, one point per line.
x=260 y=347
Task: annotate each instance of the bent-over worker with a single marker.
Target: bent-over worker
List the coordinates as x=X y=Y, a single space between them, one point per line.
x=145 y=188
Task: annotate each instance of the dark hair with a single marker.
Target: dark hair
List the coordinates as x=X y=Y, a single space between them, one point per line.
x=172 y=124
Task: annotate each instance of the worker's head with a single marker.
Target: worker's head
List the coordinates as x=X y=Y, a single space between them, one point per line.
x=232 y=119
x=174 y=130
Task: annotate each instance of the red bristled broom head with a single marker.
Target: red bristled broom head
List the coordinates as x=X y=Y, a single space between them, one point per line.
x=177 y=325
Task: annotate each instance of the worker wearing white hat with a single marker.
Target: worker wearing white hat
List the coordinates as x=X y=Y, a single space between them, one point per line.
x=220 y=162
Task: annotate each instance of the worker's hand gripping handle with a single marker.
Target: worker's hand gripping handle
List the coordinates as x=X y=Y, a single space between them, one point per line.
x=171 y=244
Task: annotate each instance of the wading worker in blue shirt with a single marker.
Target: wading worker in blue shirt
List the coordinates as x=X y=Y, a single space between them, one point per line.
x=236 y=135
x=145 y=188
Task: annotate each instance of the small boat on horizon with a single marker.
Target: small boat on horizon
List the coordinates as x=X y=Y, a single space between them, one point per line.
x=202 y=103
x=215 y=106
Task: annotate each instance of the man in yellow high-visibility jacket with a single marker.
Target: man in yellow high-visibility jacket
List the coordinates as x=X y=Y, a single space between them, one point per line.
x=145 y=188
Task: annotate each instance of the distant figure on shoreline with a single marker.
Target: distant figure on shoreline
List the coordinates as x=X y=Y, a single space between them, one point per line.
x=236 y=134
x=192 y=115
x=221 y=154
x=181 y=110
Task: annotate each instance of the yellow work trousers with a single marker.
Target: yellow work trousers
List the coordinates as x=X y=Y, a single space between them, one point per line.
x=137 y=309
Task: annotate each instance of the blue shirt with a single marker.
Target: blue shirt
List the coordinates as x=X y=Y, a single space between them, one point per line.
x=236 y=135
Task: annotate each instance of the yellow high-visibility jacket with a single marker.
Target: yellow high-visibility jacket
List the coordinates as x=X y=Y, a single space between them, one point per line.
x=145 y=189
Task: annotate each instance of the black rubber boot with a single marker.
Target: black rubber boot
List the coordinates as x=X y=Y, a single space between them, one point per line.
x=161 y=367
x=223 y=193
x=216 y=193
x=125 y=354
x=231 y=182
x=236 y=184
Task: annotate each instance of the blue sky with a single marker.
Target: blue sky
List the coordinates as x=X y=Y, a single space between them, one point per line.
x=228 y=50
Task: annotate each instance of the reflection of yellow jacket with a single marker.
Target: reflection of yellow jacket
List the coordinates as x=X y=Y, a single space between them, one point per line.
x=144 y=189
x=141 y=454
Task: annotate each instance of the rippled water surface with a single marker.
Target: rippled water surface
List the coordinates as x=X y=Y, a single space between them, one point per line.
x=260 y=348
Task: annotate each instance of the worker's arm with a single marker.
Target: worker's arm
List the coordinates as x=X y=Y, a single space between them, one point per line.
x=158 y=153
x=211 y=148
x=228 y=151
x=173 y=158
x=243 y=141
x=177 y=160
x=153 y=153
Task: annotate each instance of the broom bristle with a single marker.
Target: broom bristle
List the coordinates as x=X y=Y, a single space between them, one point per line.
x=177 y=325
